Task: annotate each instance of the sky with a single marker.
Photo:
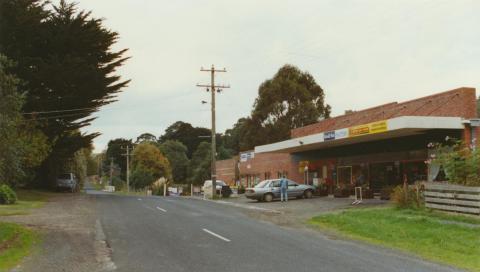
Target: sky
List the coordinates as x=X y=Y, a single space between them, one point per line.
x=362 y=53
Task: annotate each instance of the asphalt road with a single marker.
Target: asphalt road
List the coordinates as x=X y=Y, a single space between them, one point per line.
x=178 y=234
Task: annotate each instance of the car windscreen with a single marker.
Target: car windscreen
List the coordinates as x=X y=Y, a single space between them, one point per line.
x=262 y=184
x=64 y=176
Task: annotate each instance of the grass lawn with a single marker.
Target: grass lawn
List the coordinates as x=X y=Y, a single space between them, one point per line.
x=446 y=238
x=27 y=200
x=16 y=242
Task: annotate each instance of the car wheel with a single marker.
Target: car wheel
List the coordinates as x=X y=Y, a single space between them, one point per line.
x=308 y=194
x=268 y=197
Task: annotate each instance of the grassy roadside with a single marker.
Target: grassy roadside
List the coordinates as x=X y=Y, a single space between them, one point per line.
x=441 y=237
x=16 y=242
x=27 y=200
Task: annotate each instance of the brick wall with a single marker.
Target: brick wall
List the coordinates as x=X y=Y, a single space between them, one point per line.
x=271 y=163
x=459 y=102
x=226 y=170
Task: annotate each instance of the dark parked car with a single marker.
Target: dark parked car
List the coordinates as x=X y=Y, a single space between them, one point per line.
x=67 y=181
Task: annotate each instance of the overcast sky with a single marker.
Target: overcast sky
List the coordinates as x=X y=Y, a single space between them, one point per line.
x=362 y=53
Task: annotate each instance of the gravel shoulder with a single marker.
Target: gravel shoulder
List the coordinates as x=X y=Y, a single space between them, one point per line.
x=69 y=229
x=296 y=212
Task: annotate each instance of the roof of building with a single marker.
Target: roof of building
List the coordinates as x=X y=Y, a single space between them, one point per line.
x=460 y=102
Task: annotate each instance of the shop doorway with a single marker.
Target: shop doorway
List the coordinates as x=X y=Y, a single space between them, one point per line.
x=383 y=175
x=344 y=176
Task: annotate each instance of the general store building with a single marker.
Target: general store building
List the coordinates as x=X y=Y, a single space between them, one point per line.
x=376 y=147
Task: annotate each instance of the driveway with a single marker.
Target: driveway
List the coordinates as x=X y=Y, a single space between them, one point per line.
x=295 y=212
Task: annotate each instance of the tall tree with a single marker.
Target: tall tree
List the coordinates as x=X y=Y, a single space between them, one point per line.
x=22 y=146
x=115 y=151
x=176 y=153
x=146 y=137
x=148 y=165
x=65 y=60
x=200 y=165
x=188 y=135
x=291 y=99
x=233 y=137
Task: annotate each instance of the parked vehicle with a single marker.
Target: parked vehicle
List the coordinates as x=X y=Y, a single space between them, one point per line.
x=269 y=189
x=207 y=186
x=67 y=181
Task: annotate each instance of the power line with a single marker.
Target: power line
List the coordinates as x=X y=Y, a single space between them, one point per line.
x=58 y=111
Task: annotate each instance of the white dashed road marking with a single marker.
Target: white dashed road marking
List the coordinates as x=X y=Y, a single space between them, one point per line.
x=216 y=235
x=163 y=210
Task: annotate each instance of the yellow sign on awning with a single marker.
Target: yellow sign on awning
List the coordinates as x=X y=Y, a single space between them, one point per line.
x=371 y=128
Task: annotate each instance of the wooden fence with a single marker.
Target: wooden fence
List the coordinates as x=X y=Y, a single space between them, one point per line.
x=454 y=198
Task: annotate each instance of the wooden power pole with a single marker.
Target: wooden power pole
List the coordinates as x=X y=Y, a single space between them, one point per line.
x=213 y=88
x=128 y=154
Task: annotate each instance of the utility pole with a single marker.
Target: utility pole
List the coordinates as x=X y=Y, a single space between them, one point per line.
x=213 y=88
x=111 y=171
x=128 y=154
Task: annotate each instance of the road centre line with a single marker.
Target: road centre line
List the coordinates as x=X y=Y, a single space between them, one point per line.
x=216 y=235
x=163 y=210
x=139 y=199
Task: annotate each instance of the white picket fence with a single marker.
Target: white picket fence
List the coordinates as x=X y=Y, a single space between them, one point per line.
x=456 y=198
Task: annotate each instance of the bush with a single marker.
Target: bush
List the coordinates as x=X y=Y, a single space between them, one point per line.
x=7 y=195
x=118 y=183
x=412 y=199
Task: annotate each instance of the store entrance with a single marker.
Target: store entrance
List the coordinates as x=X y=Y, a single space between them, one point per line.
x=383 y=175
x=344 y=176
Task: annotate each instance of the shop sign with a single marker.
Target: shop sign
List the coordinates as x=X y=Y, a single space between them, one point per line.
x=341 y=133
x=375 y=127
x=475 y=122
x=246 y=156
x=335 y=134
x=329 y=135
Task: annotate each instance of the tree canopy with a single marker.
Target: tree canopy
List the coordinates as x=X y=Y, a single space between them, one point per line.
x=66 y=65
x=200 y=165
x=148 y=165
x=186 y=134
x=23 y=147
x=115 y=151
x=291 y=99
x=176 y=153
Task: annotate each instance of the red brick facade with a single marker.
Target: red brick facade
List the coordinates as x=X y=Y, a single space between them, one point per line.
x=226 y=170
x=268 y=165
x=459 y=102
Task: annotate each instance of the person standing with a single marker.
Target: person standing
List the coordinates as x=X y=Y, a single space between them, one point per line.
x=283 y=189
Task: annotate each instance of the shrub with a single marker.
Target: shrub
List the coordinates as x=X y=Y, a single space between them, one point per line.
x=7 y=195
x=411 y=199
x=118 y=183
x=460 y=163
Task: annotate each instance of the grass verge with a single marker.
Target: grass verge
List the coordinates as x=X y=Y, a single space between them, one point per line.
x=27 y=200
x=437 y=236
x=16 y=242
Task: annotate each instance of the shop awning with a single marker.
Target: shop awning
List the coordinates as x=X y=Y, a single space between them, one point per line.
x=391 y=128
